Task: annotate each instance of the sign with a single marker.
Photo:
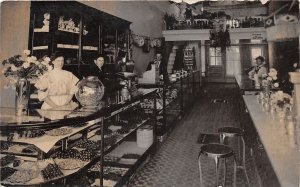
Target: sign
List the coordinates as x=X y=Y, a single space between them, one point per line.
x=257 y=36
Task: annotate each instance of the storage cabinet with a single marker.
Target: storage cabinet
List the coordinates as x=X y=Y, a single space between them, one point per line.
x=80 y=32
x=85 y=146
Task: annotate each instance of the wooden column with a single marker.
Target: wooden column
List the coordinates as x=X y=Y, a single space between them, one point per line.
x=295 y=79
x=202 y=53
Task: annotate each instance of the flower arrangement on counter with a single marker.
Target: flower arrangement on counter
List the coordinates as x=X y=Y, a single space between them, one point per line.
x=270 y=79
x=27 y=67
x=281 y=100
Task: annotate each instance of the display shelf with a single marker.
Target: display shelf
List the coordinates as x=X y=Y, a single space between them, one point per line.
x=131 y=148
x=85 y=31
x=94 y=120
x=69 y=31
x=122 y=137
x=187 y=87
x=40 y=48
x=46 y=30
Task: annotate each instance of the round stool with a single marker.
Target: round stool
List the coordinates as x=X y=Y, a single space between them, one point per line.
x=217 y=151
x=234 y=132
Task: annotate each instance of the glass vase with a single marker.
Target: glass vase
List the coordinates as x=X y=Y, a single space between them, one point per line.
x=22 y=96
x=267 y=90
x=281 y=113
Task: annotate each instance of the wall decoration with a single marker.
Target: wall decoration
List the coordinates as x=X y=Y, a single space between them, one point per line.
x=145 y=42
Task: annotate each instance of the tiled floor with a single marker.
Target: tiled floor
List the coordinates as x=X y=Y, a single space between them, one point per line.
x=175 y=163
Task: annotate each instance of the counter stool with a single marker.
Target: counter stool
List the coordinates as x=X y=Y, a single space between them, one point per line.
x=216 y=152
x=234 y=132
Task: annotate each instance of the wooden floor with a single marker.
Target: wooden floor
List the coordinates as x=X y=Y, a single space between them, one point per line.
x=175 y=163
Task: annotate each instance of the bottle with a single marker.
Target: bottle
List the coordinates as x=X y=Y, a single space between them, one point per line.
x=125 y=93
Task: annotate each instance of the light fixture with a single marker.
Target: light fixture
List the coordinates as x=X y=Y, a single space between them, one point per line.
x=219 y=35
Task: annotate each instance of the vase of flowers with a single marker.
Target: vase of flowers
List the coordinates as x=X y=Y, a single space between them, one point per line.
x=20 y=71
x=281 y=102
x=22 y=96
x=269 y=81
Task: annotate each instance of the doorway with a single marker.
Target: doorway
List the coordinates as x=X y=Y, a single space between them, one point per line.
x=215 y=65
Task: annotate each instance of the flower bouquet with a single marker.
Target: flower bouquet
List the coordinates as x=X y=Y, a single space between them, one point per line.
x=29 y=68
x=281 y=102
x=22 y=70
x=270 y=79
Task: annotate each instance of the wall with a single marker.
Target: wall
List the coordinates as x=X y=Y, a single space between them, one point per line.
x=14 y=39
x=146 y=18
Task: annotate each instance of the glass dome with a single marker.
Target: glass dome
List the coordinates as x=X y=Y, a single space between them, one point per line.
x=90 y=91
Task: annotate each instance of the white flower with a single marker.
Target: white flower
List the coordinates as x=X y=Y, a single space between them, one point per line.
x=26 y=52
x=47 y=59
x=49 y=68
x=45 y=63
x=33 y=58
x=29 y=60
x=14 y=68
x=276 y=84
x=264 y=75
x=280 y=93
x=26 y=65
x=269 y=78
x=273 y=70
x=295 y=65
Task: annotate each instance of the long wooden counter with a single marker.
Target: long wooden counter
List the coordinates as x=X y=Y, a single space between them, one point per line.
x=282 y=152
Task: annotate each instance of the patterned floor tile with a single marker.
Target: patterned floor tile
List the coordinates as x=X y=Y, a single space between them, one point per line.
x=176 y=162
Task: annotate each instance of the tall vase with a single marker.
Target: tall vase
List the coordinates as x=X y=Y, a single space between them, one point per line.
x=267 y=90
x=22 y=96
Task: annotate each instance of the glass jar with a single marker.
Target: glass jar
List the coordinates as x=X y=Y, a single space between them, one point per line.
x=90 y=91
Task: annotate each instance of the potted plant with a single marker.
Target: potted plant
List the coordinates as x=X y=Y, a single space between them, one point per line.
x=170 y=20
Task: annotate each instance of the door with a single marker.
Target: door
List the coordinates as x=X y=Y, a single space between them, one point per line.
x=215 y=65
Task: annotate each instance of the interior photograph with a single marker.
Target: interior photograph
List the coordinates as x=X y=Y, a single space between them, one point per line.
x=150 y=93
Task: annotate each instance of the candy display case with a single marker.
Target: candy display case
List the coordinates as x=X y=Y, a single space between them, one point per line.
x=56 y=151
x=176 y=97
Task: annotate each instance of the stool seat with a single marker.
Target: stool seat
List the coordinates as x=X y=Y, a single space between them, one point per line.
x=231 y=131
x=216 y=150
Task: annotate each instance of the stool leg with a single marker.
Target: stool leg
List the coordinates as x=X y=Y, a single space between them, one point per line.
x=239 y=150
x=200 y=171
x=244 y=160
x=217 y=170
x=222 y=138
x=224 y=172
x=234 y=171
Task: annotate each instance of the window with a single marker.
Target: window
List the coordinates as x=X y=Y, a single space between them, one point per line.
x=255 y=52
x=215 y=56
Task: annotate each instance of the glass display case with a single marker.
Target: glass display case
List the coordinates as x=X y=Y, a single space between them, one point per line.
x=173 y=99
x=59 y=147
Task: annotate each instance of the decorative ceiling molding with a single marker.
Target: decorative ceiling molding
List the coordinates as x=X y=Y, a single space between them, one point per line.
x=197 y=35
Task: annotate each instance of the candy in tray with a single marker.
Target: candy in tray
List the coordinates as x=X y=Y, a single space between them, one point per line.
x=69 y=163
x=59 y=132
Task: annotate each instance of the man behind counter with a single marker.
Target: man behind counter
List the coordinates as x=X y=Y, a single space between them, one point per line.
x=105 y=74
x=258 y=71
